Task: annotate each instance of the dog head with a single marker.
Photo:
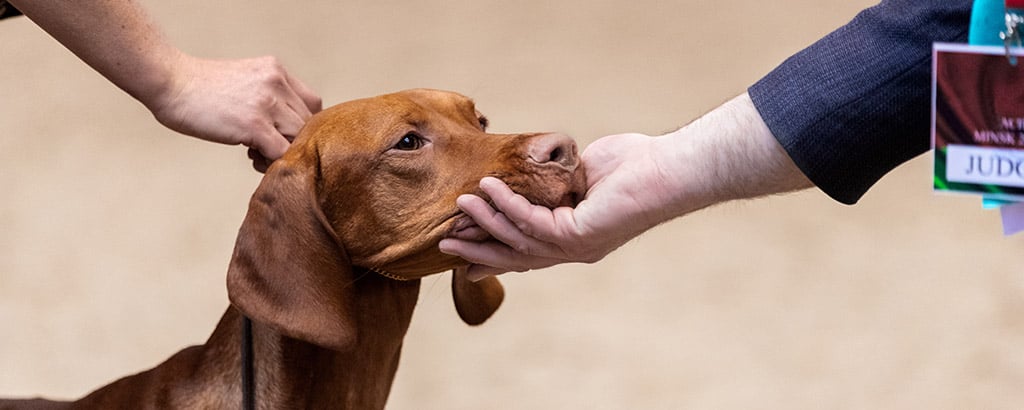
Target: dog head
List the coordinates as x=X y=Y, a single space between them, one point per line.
x=371 y=185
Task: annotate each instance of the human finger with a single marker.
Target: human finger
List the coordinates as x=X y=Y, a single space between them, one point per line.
x=259 y=162
x=502 y=229
x=269 y=142
x=534 y=221
x=494 y=254
x=310 y=99
x=287 y=121
x=491 y=253
x=476 y=272
x=472 y=233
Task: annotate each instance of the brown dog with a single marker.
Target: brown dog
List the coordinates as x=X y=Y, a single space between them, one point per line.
x=328 y=260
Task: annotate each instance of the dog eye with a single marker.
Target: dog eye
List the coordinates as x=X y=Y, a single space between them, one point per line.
x=483 y=122
x=409 y=142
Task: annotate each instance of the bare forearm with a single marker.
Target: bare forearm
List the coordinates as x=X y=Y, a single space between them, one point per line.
x=635 y=182
x=727 y=154
x=115 y=37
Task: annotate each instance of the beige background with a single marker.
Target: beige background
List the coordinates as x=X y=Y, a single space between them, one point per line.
x=115 y=232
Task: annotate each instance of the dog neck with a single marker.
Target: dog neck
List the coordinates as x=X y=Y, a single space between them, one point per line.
x=295 y=373
x=289 y=373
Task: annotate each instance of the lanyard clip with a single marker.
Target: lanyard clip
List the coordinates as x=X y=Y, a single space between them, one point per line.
x=1011 y=37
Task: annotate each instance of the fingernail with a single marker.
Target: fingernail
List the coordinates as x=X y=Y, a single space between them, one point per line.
x=463 y=200
x=489 y=181
x=445 y=246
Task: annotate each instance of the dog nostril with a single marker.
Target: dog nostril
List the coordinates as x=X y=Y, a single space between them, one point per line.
x=556 y=155
x=553 y=148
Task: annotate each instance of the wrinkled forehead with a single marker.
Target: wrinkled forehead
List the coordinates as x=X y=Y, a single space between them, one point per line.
x=434 y=104
x=434 y=98
x=381 y=115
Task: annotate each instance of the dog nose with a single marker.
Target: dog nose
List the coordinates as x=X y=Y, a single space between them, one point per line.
x=557 y=148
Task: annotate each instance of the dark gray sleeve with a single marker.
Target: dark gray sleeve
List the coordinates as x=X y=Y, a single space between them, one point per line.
x=854 y=105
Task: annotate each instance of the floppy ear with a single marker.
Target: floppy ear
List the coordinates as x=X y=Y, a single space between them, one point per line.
x=288 y=270
x=476 y=301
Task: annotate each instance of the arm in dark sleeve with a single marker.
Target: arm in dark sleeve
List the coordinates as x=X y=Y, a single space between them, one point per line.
x=855 y=104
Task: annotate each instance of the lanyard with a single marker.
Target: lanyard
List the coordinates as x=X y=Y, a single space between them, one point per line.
x=248 y=373
x=1013 y=18
x=997 y=23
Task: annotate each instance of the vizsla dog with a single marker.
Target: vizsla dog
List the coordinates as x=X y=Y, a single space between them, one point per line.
x=328 y=260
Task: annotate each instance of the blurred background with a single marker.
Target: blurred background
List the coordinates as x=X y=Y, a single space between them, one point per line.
x=115 y=233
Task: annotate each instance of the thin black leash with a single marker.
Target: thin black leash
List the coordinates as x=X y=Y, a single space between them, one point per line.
x=248 y=376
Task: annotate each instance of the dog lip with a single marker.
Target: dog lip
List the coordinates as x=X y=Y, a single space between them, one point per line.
x=571 y=168
x=576 y=190
x=571 y=199
x=462 y=222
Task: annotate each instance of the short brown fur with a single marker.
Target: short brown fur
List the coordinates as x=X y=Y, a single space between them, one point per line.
x=343 y=204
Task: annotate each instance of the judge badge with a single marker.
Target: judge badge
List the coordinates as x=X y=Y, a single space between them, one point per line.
x=978 y=111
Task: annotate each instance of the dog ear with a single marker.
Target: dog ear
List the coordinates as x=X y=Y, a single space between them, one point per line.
x=476 y=301
x=288 y=270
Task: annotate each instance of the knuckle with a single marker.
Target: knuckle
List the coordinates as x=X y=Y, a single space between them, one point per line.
x=522 y=248
x=263 y=100
x=526 y=229
x=277 y=80
x=272 y=62
x=315 y=103
x=273 y=72
x=254 y=124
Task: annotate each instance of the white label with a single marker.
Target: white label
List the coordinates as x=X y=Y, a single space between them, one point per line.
x=985 y=165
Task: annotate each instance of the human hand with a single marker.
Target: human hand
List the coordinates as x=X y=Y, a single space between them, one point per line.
x=626 y=195
x=634 y=182
x=253 y=102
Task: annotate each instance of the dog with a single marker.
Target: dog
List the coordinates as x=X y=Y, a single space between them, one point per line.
x=328 y=260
